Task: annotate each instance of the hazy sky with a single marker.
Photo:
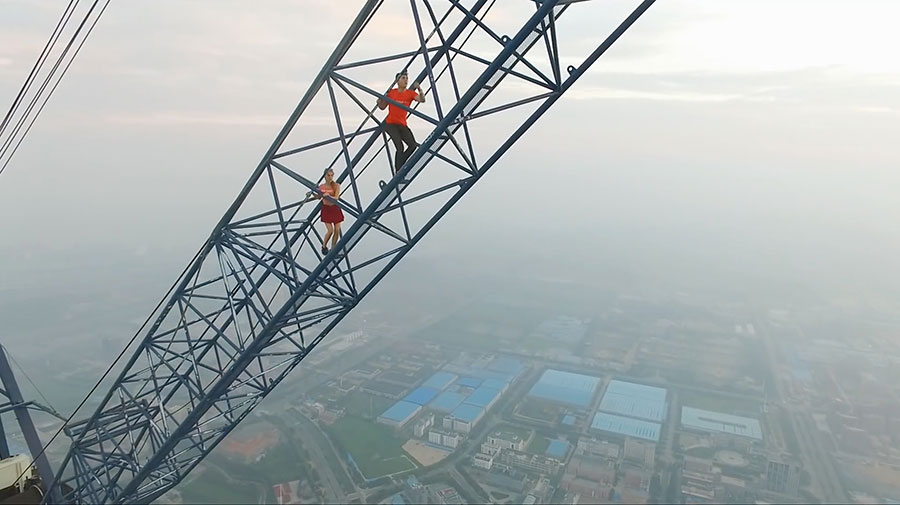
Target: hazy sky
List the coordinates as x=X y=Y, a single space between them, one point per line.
x=760 y=134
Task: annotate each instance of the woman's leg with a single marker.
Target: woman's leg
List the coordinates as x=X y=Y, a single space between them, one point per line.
x=330 y=231
x=336 y=236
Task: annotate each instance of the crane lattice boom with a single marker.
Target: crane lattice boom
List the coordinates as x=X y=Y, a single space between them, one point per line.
x=260 y=295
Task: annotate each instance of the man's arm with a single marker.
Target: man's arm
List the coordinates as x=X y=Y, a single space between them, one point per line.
x=420 y=97
x=382 y=104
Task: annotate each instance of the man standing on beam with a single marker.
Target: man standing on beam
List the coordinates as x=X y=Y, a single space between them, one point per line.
x=395 y=122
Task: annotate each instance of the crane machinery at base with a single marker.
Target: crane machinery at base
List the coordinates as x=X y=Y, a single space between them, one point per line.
x=260 y=294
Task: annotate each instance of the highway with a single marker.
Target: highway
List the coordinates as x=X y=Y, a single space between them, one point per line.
x=817 y=461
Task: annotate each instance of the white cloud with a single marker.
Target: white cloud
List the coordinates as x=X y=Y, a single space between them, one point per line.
x=767 y=35
x=601 y=93
x=174 y=118
x=182 y=118
x=877 y=110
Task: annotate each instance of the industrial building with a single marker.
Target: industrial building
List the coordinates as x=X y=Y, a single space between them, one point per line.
x=384 y=388
x=465 y=417
x=558 y=449
x=626 y=426
x=647 y=403
x=714 y=422
x=469 y=382
x=565 y=388
x=496 y=373
x=440 y=380
x=447 y=401
x=499 y=385
x=422 y=395
x=483 y=397
x=640 y=451
x=399 y=414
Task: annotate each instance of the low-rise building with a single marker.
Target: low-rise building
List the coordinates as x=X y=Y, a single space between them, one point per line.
x=450 y=440
x=586 y=488
x=445 y=439
x=489 y=449
x=634 y=496
x=782 y=475
x=508 y=440
x=698 y=485
x=532 y=462
x=640 y=451
x=594 y=447
x=483 y=461
x=599 y=470
x=636 y=478
x=422 y=425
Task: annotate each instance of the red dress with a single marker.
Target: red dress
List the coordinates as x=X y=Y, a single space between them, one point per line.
x=331 y=213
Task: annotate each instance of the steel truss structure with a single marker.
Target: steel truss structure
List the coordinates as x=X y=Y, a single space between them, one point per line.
x=11 y=400
x=260 y=296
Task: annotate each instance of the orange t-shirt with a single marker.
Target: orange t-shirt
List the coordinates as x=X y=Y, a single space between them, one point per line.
x=396 y=115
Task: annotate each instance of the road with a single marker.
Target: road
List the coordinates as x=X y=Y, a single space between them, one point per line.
x=667 y=461
x=818 y=461
x=322 y=451
x=308 y=435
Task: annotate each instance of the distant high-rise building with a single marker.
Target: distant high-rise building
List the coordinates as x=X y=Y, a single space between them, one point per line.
x=782 y=476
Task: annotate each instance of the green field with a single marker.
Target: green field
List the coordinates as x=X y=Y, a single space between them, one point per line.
x=540 y=411
x=214 y=487
x=365 y=405
x=374 y=447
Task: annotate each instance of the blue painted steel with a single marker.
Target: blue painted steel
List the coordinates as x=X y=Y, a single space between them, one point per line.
x=483 y=396
x=260 y=295
x=12 y=392
x=566 y=388
x=626 y=426
x=422 y=395
x=447 y=401
x=401 y=411
x=635 y=400
x=557 y=449
x=469 y=382
x=467 y=413
x=440 y=380
x=4 y=445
